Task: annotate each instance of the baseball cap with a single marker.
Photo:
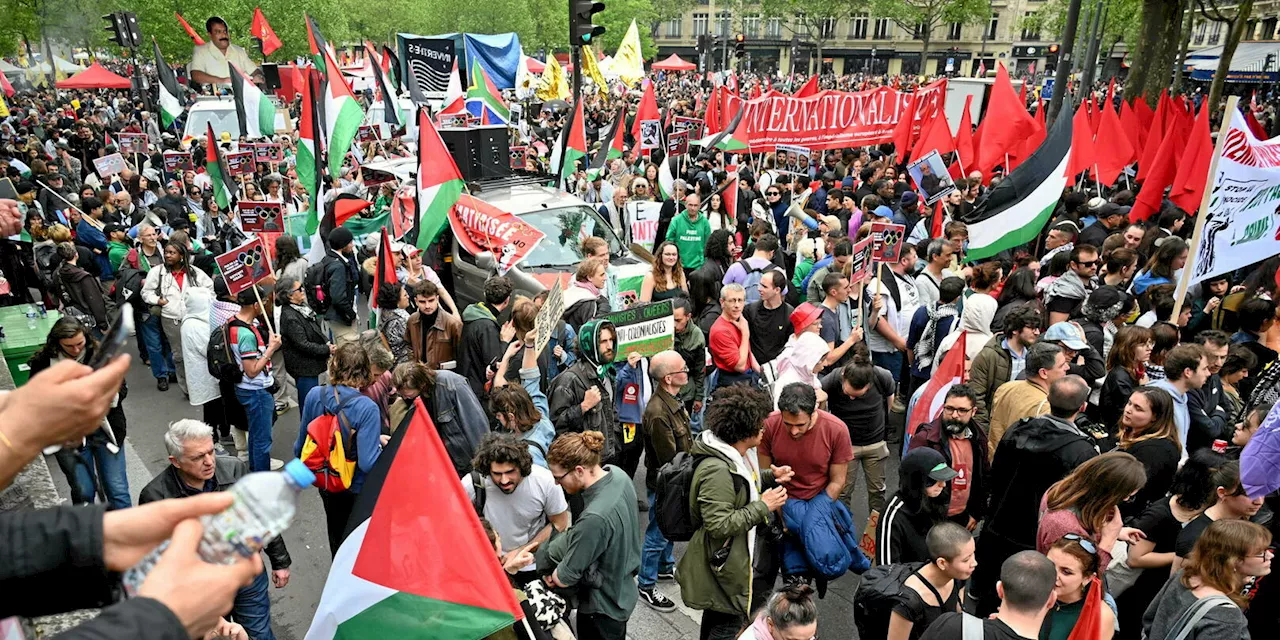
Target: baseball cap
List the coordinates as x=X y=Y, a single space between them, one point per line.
x=804 y=315
x=113 y=227
x=927 y=462
x=1068 y=333
x=909 y=198
x=883 y=212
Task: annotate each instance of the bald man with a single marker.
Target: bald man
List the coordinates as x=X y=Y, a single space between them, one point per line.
x=666 y=433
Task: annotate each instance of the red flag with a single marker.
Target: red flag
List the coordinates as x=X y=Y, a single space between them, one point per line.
x=1256 y=127
x=955 y=173
x=385 y=270
x=1155 y=137
x=195 y=37
x=935 y=222
x=1161 y=170
x=809 y=88
x=1113 y=148
x=1094 y=116
x=1132 y=126
x=964 y=135
x=947 y=373
x=1022 y=94
x=4 y=84
x=1082 y=151
x=345 y=208
x=648 y=111
x=711 y=121
x=1015 y=124
x=1145 y=117
x=262 y=30
x=1193 y=169
x=755 y=91
x=903 y=130
x=1089 y=623
x=936 y=136
x=1037 y=137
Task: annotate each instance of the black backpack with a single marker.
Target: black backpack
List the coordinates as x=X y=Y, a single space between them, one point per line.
x=882 y=588
x=222 y=363
x=672 y=507
x=128 y=285
x=316 y=283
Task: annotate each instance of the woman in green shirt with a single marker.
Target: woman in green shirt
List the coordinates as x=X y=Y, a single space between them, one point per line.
x=1076 y=559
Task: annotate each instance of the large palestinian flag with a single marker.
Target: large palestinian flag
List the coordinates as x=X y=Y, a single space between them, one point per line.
x=254 y=111
x=1017 y=209
x=415 y=563
x=216 y=167
x=439 y=181
x=310 y=165
x=169 y=90
x=611 y=147
x=342 y=115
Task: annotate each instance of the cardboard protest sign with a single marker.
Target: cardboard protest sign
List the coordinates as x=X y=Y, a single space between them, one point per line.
x=132 y=142
x=861 y=260
x=678 y=143
x=644 y=222
x=650 y=134
x=259 y=217
x=175 y=161
x=245 y=265
x=108 y=166
x=240 y=163
x=454 y=120
x=887 y=240
x=931 y=178
x=548 y=316
x=682 y=123
x=480 y=227
x=366 y=133
x=647 y=329
x=268 y=152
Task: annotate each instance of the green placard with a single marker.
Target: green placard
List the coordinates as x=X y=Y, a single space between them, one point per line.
x=646 y=329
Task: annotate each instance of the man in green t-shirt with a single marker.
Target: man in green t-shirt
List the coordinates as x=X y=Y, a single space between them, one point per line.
x=117 y=244
x=690 y=232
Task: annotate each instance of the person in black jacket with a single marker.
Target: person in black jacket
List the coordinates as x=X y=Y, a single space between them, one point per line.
x=1207 y=405
x=955 y=429
x=194 y=469
x=1034 y=454
x=481 y=343
x=341 y=275
x=80 y=289
x=918 y=504
x=306 y=348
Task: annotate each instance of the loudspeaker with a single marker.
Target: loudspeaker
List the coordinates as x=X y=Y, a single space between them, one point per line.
x=461 y=144
x=480 y=152
x=271 y=75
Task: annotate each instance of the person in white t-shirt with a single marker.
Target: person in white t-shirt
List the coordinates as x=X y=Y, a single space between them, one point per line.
x=209 y=60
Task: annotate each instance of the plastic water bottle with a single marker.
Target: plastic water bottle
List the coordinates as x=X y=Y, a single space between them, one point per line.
x=264 y=506
x=31 y=316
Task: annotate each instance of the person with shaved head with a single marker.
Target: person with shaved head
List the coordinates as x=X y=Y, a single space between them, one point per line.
x=666 y=433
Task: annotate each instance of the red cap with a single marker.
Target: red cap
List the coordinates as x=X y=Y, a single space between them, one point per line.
x=804 y=315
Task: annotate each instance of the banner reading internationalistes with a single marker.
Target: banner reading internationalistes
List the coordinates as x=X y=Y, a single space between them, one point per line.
x=1243 y=223
x=480 y=226
x=430 y=60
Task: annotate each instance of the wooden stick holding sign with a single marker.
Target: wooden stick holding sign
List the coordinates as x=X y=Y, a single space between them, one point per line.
x=266 y=317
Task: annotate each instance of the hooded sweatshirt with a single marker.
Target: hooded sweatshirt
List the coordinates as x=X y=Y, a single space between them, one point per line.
x=976 y=320
x=201 y=386
x=479 y=345
x=1181 y=414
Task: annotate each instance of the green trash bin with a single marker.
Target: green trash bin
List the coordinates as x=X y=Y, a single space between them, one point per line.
x=22 y=342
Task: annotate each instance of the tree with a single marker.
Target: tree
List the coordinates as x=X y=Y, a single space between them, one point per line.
x=810 y=19
x=1237 y=22
x=927 y=15
x=1155 y=48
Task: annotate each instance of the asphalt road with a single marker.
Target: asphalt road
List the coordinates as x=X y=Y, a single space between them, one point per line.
x=150 y=411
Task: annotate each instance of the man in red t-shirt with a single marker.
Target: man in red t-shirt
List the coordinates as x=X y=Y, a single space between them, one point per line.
x=730 y=341
x=816 y=445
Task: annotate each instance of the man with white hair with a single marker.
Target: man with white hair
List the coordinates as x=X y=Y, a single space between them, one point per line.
x=730 y=341
x=193 y=469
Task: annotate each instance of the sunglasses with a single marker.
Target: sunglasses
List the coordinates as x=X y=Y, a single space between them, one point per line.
x=1084 y=542
x=1088 y=263
x=773 y=193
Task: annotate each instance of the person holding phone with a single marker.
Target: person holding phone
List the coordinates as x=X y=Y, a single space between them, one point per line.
x=163 y=291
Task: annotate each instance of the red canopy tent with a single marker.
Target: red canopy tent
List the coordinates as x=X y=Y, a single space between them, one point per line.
x=674 y=63
x=95 y=77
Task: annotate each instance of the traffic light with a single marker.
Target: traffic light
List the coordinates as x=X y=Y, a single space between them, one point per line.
x=116 y=29
x=1051 y=58
x=131 y=27
x=739 y=46
x=581 y=30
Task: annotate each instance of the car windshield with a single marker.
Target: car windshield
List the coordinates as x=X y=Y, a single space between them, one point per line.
x=566 y=229
x=222 y=120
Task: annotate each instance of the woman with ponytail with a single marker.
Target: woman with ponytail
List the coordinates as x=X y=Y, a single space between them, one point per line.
x=790 y=613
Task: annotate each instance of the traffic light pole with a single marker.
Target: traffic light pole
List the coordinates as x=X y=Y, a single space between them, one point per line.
x=576 y=60
x=1065 y=61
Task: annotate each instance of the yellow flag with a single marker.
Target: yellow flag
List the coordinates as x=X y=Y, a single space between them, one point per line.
x=628 y=62
x=553 y=85
x=592 y=70
x=4 y=108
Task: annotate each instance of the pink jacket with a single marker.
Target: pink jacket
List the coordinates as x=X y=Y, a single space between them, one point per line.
x=1055 y=524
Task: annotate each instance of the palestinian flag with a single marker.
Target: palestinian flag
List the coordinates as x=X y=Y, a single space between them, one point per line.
x=729 y=140
x=415 y=563
x=390 y=105
x=574 y=145
x=439 y=181
x=309 y=165
x=170 y=91
x=391 y=67
x=385 y=270
x=1017 y=209
x=483 y=98
x=666 y=181
x=254 y=111
x=342 y=115
x=455 y=100
x=217 y=170
x=612 y=147
x=319 y=47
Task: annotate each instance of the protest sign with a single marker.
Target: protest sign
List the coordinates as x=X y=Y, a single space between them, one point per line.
x=259 y=217
x=454 y=120
x=678 y=143
x=650 y=134
x=647 y=329
x=268 y=152
x=518 y=157
x=175 y=161
x=861 y=260
x=644 y=222
x=797 y=157
x=931 y=177
x=240 y=163
x=482 y=227
x=887 y=241
x=245 y=265
x=403 y=210
x=108 y=166
x=548 y=316
x=132 y=142
x=682 y=123
x=366 y=133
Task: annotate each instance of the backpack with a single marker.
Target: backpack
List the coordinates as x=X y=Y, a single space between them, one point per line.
x=221 y=362
x=329 y=449
x=672 y=506
x=882 y=588
x=128 y=285
x=752 y=281
x=315 y=284
x=478 y=493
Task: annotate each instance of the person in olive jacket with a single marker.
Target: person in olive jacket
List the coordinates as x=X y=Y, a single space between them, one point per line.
x=715 y=571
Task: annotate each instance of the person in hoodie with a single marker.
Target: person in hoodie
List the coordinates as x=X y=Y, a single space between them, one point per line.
x=585 y=299
x=117 y=245
x=481 y=342
x=349 y=370
x=1185 y=368
x=1033 y=455
x=914 y=508
x=582 y=397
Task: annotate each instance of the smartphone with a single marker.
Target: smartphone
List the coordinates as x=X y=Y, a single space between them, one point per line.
x=7 y=190
x=115 y=338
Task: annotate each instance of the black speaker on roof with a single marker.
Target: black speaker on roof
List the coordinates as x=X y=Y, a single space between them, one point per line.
x=480 y=152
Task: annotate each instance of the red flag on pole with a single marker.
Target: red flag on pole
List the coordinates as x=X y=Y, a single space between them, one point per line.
x=195 y=37
x=947 y=373
x=1015 y=124
x=1193 y=169
x=809 y=88
x=964 y=135
x=262 y=30
x=903 y=130
x=1082 y=151
x=385 y=271
x=1256 y=127
x=648 y=111
x=1160 y=172
x=1155 y=137
x=4 y=84
x=1113 y=148
x=936 y=136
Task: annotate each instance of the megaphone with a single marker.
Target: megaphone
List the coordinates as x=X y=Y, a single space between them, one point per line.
x=794 y=211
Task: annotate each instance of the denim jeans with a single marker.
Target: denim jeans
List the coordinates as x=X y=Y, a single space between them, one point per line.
x=157 y=348
x=305 y=385
x=657 y=553
x=260 y=407
x=110 y=470
x=252 y=609
x=891 y=360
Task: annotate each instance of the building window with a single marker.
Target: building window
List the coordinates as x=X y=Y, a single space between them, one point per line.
x=953 y=31
x=882 y=29
x=1030 y=33
x=858 y=27
x=700 y=23
x=828 y=28
x=751 y=26
x=675 y=27
x=917 y=32
x=724 y=24
x=991 y=28
x=1215 y=35
x=1201 y=29
x=773 y=28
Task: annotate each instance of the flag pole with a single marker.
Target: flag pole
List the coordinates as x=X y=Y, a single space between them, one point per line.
x=1196 y=236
